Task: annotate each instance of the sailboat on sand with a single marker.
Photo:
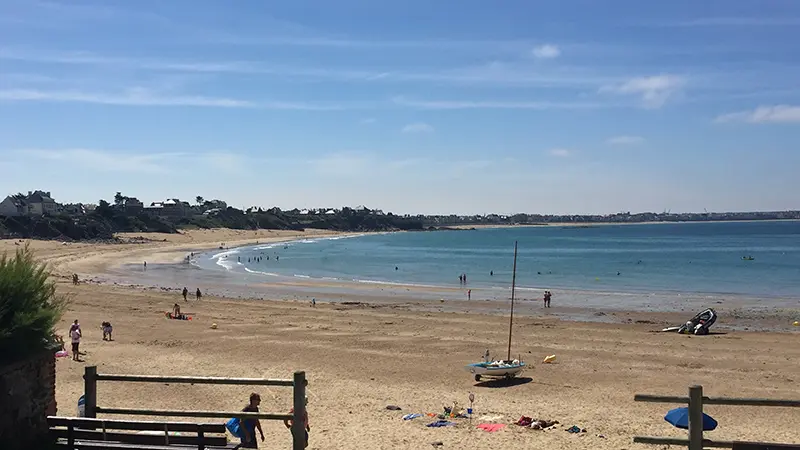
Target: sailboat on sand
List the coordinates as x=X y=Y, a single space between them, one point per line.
x=507 y=368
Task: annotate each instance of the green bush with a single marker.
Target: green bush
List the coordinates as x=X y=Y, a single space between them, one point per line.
x=30 y=308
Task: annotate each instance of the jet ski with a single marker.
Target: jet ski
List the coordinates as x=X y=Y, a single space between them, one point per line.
x=699 y=325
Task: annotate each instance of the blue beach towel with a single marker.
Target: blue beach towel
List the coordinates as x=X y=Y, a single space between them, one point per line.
x=440 y=423
x=411 y=416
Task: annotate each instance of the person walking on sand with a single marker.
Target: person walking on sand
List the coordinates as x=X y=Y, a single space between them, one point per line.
x=198 y=294
x=249 y=426
x=185 y=294
x=547 y=296
x=145 y=265
x=289 y=422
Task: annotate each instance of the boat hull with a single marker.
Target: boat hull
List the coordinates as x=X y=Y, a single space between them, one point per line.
x=495 y=371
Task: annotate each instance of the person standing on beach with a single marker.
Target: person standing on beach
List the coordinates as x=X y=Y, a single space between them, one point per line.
x=185 y=294
x=547 y=296
x=289 y=422
x=198 y=294
x=75 y=335
x=469 y=294
x=249 y=426
x=145 y=265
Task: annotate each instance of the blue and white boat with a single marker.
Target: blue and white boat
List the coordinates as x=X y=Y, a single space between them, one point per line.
x=496 y=369
x=507 y=368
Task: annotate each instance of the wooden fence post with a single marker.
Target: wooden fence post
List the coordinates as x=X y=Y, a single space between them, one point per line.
x=90 y=391
x=298 y=422
x=696 y=418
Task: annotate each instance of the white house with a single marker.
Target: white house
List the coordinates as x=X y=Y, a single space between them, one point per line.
x=10 y=207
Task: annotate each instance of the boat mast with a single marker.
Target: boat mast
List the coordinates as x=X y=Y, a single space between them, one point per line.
x=513 y=287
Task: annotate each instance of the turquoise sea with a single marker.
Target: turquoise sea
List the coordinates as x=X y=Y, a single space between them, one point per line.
x=681 y=257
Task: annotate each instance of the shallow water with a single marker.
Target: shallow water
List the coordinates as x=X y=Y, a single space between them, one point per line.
x=641 y=259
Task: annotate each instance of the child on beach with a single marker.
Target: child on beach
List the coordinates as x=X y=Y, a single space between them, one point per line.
x=107 y=329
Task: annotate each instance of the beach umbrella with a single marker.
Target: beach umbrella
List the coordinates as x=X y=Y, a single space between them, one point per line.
x=679 y=417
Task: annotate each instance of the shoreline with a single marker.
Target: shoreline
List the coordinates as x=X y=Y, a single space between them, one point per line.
x=578 y=305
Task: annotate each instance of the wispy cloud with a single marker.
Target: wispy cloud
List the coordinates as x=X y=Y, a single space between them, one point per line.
x=146 y=97
x=625 y=140
x=738 y=22
x=654 y=91
x=418 y=128
x=134 y=162
x=106 y=161
x=560 y=152
x=546 y=51
x=489 y=104
x=764 y=114
x=495 y=73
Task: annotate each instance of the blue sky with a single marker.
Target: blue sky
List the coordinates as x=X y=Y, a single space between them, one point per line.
x=575 y=106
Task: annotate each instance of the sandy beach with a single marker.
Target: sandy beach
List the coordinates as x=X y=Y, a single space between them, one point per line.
x=362 y=357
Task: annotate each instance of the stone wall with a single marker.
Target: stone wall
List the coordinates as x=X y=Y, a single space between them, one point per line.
x=27 y=397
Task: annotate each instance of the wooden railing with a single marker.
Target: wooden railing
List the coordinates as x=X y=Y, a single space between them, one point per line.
x=91 y=377
x=695 y=400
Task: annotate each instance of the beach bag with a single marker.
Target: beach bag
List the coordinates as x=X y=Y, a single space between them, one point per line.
x=234 y=426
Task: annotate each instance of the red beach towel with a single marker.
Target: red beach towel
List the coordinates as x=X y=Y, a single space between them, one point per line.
x=491 y=427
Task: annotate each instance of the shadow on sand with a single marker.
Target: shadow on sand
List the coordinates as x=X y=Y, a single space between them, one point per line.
x=504 y=382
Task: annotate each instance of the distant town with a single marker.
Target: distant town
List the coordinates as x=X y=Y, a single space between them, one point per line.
x=38 y=214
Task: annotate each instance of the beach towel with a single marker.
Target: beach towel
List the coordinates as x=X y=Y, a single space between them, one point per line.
x=411 y=416
x=490 y=418
x=440 y=423
x=525 y=421
x=491 y=427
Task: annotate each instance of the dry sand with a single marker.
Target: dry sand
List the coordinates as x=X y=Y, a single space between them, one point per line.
x=359 y=359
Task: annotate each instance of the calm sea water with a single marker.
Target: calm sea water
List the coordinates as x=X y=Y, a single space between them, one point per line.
x=692 y=258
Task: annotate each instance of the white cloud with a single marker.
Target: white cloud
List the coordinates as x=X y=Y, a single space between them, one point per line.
x=146 y=97
x=654 y=91
x=483 y=104
x=625 y=140
x=764 y=114
x=135 y=162
x=546 y=51
x=560 y=152
x=418 y=128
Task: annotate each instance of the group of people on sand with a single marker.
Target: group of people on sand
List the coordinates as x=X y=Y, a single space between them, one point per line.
x=245 y=428
x=76 y=334
x=185 y=294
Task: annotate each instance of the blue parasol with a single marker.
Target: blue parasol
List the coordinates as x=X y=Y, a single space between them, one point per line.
x=679 y=417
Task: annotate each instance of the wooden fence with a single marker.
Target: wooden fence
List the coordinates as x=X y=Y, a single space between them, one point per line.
x=696 y=402
x=91 y=377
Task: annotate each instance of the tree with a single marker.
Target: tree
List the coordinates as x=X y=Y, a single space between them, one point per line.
x=200 y=201
x=119 y=199
x=30 y=308
x=104 y=209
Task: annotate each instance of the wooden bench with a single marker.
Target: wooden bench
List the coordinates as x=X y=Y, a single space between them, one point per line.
x=764 y=446
x=83 y=433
